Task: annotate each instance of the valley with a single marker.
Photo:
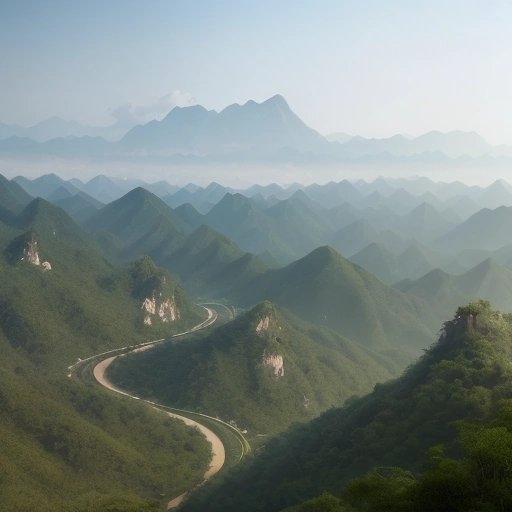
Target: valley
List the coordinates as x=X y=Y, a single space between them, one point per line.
x=255 y=256
x=276 y=346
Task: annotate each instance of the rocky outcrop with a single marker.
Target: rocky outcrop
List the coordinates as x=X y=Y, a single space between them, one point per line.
x=166 y=310
x=30 y=253
x=263 y=324
x=276 y=362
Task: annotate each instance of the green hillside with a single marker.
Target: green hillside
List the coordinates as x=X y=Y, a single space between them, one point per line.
x=209 y=263
x=325 y=288
x=487 y=280
x=380 y=261
x=486 y=229
x=264 y=370
x=465 y=376
x=12 y=197
x=142 y=222
x=65 y=443
x=356 y=236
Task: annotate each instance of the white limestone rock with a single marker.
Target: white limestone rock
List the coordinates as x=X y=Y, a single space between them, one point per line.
x=263 y=324
x=30 y=253
x=276 y=362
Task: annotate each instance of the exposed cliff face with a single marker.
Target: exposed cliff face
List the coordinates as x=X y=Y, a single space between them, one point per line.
x=263 y=324
x=276 y=362
x=30 y=253
x=164 y=309
x=267 y=326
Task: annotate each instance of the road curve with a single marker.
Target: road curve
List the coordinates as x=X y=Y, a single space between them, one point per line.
x=218 y=450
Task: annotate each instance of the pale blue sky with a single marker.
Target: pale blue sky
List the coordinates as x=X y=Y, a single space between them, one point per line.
x=372 y=68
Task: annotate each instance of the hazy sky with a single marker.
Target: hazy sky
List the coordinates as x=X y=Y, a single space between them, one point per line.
x=372 y=68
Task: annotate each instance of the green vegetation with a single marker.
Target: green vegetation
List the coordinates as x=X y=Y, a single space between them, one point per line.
x=487 y=280
x=481 y=480
x=140 y=223
x=67 y=445
x=229 y=372
x=464 y=377
x=325 y=288
x=208 y=262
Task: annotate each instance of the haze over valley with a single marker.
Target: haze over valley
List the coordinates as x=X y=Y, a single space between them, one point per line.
x=255 y=257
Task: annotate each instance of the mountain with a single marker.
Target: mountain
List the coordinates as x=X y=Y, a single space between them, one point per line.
x=209 y=263
x=298 y=224
x=417 y=260
x=60 y=300
x=338 y=137
x=240 y=219
x=103 y=189
x=437 y=288
x=425 y=223
x=189 y=215
x=13 y=198
x=497 y=194
x=356 y=236
x=488 y=280
x=263 y=128
x=80 y=207
x=263 y=370
x=285 y=230
x=50 y=128
x=379 y=261
x=392 y=426
x=45 y=185
x=486 y=229
x=142 y=222
x=201 y=198
x=334 y=194
x=326 y=289
x=452 y=144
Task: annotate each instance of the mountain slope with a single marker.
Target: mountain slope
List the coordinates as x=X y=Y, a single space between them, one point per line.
x=379 y=261
x=262 y=127
x=465 y=376
x=13 y=197
x=356 y=236
x=63 y=440
x=487 y=280
x=142 y=222
x=209 y=263
x=263 y=370
x=486 y=229
x=325 y=288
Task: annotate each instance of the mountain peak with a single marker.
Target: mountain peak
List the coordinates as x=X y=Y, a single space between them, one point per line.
x=276 y=100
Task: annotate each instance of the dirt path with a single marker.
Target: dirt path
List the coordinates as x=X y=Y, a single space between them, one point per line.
x=218 y=451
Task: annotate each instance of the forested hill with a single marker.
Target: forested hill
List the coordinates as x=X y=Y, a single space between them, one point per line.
x=264 y=370
x=466 y=375
x=66 y=445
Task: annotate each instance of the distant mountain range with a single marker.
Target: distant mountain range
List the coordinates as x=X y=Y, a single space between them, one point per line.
x=55 y=127
x=268 y=131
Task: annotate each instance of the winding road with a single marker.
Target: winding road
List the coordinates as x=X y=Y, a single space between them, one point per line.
x=218 y=449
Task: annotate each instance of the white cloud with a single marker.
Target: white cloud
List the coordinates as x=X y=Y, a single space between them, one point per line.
x=129 y=114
